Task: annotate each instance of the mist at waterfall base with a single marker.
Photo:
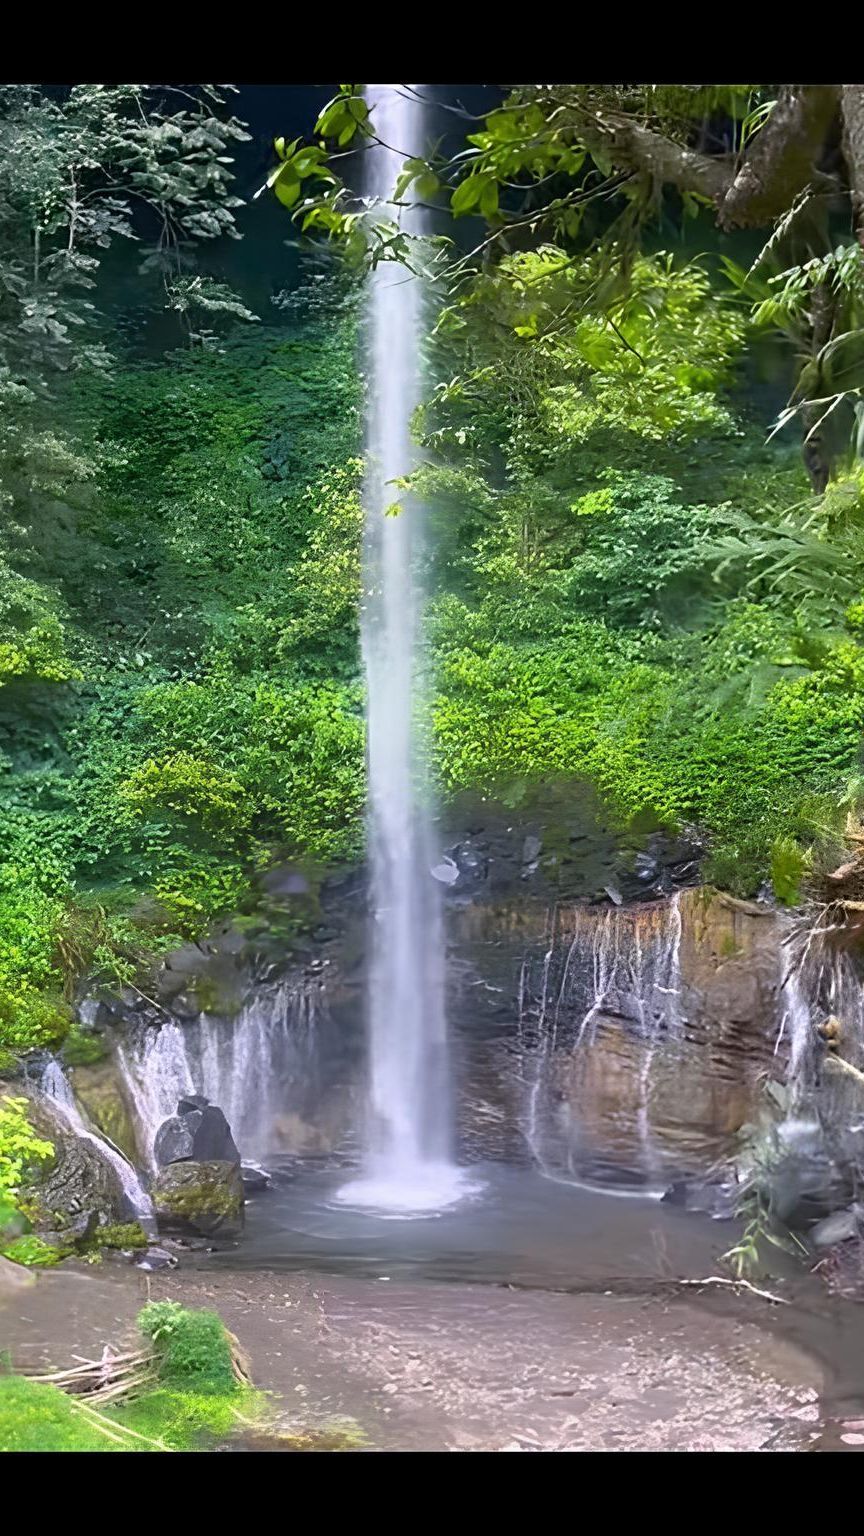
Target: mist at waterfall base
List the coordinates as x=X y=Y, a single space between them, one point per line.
x=408 y=1169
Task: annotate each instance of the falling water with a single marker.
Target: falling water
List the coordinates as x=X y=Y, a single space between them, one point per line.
x=819 y=980
x=255 y=1067
x=407 y=1166
x=620 y=970
x=56 y=1086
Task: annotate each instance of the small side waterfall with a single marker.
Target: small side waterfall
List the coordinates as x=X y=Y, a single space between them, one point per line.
x=615 y=974
x=256 y=1067
x=645 y=1043
x=55 y=1085
x=819 y=983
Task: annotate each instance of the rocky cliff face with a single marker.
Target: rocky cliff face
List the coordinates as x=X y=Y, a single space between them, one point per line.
x=620 y=1042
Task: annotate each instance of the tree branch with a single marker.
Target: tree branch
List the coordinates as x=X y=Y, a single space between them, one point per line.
x=631 y=147
x=783 y=157
x=780 y=162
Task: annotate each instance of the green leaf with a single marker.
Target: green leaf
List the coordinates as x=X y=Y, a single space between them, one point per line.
x=467 y=195
x=287 y=186
x=283 y=150
x=402 y=184
x=489 y=199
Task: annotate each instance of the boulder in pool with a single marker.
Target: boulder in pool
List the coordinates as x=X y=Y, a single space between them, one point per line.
x=199 y=1132
x=200 y=1198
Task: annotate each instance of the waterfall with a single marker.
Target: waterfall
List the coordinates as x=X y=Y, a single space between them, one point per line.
x=819 y=981
x=254 y=1067
x=407 y=1163
x=616 y=972
x=55 y=1086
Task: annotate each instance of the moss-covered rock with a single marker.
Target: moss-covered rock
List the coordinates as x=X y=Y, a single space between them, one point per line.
x=98 y=1091
x=203 y=1198
x=83 y=1048
x=33 y=1251
x=78 y=1190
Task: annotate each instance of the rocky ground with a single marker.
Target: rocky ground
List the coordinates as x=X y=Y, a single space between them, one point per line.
x=421 y=1366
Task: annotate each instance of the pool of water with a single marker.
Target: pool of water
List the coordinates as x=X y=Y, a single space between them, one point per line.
x=513 y=1226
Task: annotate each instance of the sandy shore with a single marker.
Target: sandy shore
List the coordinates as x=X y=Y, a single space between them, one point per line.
x=423 y=1366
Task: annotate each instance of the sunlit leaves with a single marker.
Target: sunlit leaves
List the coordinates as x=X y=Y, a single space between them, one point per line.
x=417 y=172
x=344 y=116
x=466 y=195
x=296 y=164
x=477 y=192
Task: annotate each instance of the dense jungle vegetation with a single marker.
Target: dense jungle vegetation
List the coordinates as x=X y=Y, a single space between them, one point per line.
x=633 y=586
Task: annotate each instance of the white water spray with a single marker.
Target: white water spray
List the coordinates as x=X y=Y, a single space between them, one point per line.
x=818 y=980
x=56 y=1086
x=408 y=1166
x=255 y=1067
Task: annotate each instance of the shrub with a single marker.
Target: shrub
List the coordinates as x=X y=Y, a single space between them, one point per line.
x=22 y=1152
x=192 y=1347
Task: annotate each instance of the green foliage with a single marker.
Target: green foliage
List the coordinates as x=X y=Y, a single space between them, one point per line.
x=207 y=706
x=31 y=1007
x=35 y=1416
x=193 y=1349
x=788 y=864
x=676 y=636
x=189 y=1420
x=121 y=1235
x=548 y=346
x=81 y=1049
x=22 y=1152
x=32 y=1250
x=194 y=1407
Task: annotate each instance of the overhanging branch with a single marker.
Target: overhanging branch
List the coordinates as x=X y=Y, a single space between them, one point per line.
x=631 y=147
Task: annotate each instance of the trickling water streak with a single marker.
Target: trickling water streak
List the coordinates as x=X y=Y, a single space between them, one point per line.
x=632 y=957
x=818 y=979
x=56 y=1086
x=253 y=1067
x=408 y=1162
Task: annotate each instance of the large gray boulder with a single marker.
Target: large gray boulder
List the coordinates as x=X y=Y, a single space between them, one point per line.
x=174 y=1139
x=81 y=1188
x=199 y=1132
x=203 y=1199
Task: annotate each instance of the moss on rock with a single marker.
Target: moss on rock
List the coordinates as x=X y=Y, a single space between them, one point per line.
x=97 y=1088
x=122 y=1234
x=202 y=1197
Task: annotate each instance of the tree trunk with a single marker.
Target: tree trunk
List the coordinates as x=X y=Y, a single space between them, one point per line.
x=780 y=162
x=630 y=147
x=852 y=100
x=783 y=158
x=817 y=456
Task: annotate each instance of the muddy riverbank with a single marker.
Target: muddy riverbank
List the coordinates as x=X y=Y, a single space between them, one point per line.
x=429 y=1366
